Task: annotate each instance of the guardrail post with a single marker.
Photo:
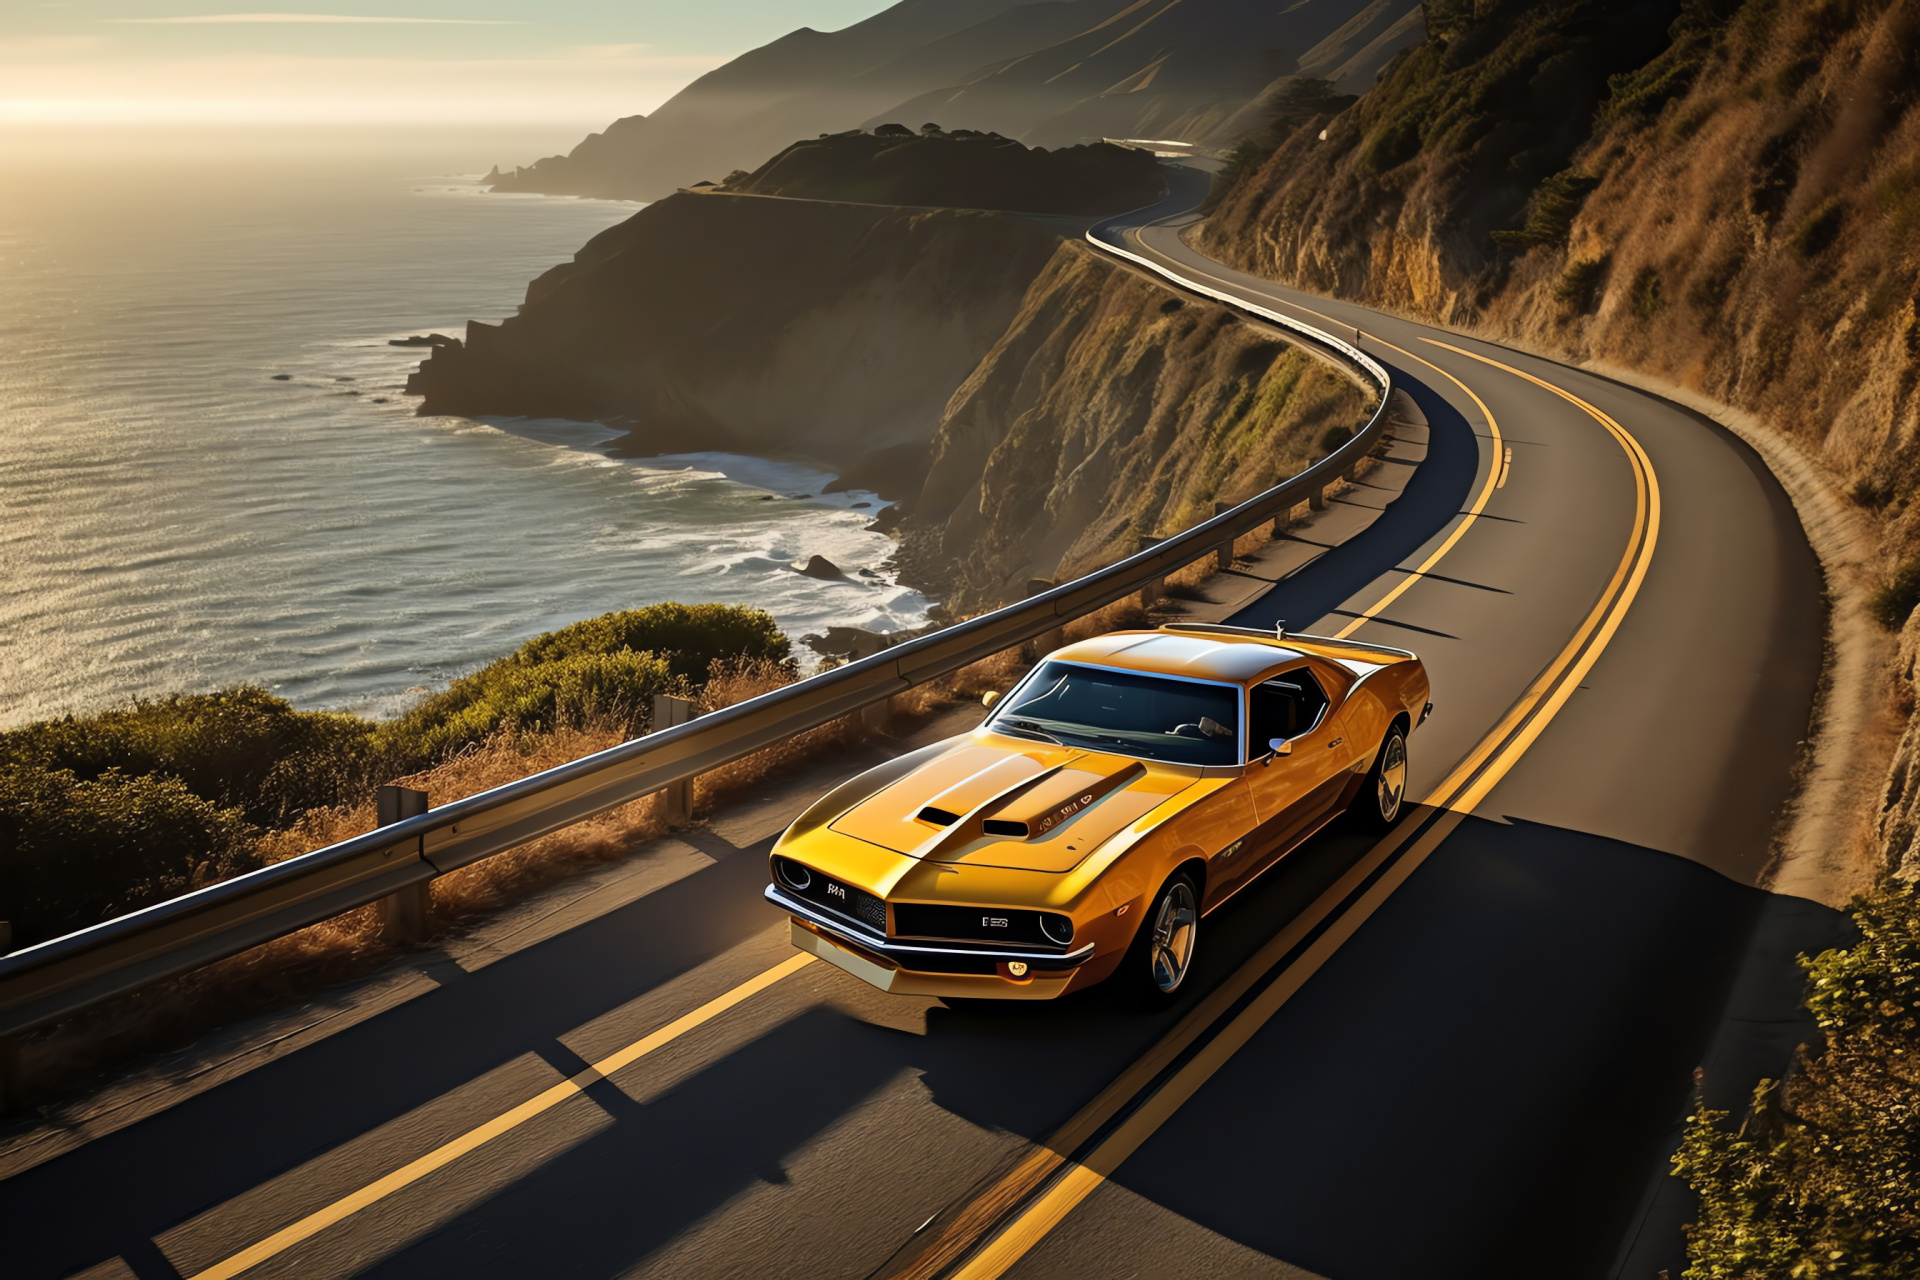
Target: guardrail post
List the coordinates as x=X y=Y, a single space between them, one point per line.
x=1223 y=554
x=676 y=798
x=1317 y=501
x=1151 y=593
x=1047 y=641
x=405 y=915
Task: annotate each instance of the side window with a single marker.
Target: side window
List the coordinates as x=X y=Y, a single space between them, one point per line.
x=1285 y=707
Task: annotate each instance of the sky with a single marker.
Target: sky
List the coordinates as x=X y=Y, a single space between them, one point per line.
x=368 y=62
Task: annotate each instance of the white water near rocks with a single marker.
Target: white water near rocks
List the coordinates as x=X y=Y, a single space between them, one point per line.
x=173 y=518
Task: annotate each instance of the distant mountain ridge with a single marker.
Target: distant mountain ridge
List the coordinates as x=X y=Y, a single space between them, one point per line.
x=1052 y=73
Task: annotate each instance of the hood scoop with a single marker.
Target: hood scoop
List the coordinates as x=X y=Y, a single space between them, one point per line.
x=1052 y=800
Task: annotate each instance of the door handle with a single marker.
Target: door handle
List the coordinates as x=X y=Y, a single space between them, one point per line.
x=1336 y=742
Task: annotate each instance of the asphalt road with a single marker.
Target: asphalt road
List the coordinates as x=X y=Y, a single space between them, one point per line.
x=1459 y=1055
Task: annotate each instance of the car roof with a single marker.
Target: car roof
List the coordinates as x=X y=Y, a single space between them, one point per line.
x=1198 y=657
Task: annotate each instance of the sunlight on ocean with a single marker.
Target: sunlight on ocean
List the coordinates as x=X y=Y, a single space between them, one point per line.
x=172 y=517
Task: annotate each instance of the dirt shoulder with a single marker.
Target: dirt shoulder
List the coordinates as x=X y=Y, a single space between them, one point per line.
x=1826 y=846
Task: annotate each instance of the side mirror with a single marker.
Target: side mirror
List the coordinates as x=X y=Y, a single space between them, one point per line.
x=988 y=699
x=1277 y=747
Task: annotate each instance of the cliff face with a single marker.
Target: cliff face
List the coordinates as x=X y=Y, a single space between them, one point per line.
x=1110 y=410
x=1739 y=214
x=828 y=331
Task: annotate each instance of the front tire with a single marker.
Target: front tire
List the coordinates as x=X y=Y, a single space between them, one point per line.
x=1163 y=950
x=1384 y=792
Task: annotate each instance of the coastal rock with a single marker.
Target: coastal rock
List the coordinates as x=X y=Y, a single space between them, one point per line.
x=822 y=568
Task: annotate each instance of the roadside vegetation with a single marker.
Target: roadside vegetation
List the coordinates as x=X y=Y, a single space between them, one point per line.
x=1822 y=1177
x=107 y=813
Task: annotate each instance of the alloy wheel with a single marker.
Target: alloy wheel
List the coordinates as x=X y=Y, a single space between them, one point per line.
x=1391 y=786
x=1176 y=929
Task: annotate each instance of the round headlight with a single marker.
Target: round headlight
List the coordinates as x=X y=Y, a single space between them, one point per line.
x=792 y=874
x=1059 y=929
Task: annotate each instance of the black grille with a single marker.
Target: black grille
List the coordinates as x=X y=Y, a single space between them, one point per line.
x=977 y=924
x=832 y=895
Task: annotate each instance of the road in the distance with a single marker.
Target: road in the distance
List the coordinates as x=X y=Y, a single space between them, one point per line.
x=1477 y=1083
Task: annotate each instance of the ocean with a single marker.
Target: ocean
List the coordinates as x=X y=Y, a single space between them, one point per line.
x=210 y=473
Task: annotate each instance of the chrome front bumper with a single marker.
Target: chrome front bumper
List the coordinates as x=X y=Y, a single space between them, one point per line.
x=920 y=956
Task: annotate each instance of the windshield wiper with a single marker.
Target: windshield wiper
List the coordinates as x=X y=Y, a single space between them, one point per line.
x=1030 y=729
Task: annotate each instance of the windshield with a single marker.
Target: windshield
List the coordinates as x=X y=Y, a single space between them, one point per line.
x=1156 y=717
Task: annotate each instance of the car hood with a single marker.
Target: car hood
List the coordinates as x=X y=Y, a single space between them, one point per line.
x=1043 y=809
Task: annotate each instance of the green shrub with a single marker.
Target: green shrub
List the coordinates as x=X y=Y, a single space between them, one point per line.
x=1551 y=211
x=75 y=850
x=1334 y=438
x=571 y=691
x=1819 y=231
x=1647 y=296
x=689 y=637
x=241 y=748
x=1823 y=1177
x=1895 y=601
x=1578 y=288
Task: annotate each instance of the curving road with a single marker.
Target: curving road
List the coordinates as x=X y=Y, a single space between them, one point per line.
x=1459 y=1051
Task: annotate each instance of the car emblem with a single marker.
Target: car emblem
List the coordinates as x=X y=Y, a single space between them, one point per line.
x=835 y=890
x=993 y=922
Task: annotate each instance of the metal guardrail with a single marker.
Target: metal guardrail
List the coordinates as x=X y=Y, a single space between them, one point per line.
x=58 y=978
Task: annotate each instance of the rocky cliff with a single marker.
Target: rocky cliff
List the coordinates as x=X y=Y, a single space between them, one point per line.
x=1111 y=409
x=833 y=332
x=1728 y=199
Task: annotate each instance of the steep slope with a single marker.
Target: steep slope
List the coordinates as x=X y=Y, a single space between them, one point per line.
x=1112 y=409
x=1053 y=72
x=1738 y=213
x=1157 y=69
x=828 y=331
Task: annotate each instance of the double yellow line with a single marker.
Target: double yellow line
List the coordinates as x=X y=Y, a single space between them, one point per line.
x=1003 y=1224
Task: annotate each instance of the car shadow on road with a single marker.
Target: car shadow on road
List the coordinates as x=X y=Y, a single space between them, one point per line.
x=1484 y=1081
x=1440 y=488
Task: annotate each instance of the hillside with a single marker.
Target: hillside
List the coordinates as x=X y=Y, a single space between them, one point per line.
x=1739 y=214
x=827 y=331
x=1050 y=73
x=965 y=169
x=1112 y=409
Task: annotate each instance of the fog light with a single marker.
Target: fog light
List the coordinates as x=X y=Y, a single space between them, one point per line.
x=1018 y=968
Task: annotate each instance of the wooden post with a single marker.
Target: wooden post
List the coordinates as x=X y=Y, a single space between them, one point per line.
x=1223 y=554
x=405 y=915
x=1318 y=502
x=676 y=799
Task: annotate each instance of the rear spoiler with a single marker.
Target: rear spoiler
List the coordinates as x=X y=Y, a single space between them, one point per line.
x=1325 y=645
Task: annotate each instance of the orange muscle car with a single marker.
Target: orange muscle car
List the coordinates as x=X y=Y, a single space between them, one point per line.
x=1127 y=786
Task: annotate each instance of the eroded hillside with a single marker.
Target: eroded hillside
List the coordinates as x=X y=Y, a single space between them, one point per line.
x=1737 y=213
x=1112 y=409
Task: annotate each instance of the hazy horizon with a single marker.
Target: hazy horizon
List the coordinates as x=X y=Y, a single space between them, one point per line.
x=572 y=63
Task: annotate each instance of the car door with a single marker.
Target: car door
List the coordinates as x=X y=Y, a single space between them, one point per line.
x=1293 y=790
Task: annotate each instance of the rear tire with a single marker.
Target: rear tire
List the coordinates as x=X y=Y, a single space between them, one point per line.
x=1384 y=792
x=1162 y=953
